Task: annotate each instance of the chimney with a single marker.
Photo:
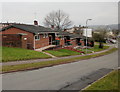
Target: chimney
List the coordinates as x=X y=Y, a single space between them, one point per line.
x=65 y=30
x=52 y=26
x=58 y=27
x=35 y=22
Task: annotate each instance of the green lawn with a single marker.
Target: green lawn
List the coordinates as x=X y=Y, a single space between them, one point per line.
x=63 y=52
x=14 y=54
x=96 y=43
x=110 y=82
x=95 y=49
x=10 y=68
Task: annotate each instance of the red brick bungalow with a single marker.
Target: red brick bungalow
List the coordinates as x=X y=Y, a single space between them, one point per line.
x=28 y=36
x=72 y=40
x=35 y=36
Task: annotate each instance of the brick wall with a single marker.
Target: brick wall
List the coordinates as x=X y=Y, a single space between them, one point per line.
x=73 y=42
x=42 y=42
x=16 y=31
x=13 y=40
x=62 y=42
x=82 y=43
x=24 y=41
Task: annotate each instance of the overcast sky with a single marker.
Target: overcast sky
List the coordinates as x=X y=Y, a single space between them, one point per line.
x=100 y=12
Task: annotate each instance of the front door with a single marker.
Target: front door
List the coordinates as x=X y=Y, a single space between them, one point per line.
x=50 y=40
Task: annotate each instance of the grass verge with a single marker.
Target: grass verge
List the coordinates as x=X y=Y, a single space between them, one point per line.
x=95 y=49
x=98 y=43
x=15 y=54
x=30 y=66
x=110 y=82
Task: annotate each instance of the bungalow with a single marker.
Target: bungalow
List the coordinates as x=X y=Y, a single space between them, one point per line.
x=35 y=37
x=28 y=36
x=79 y=33
x=71 y=39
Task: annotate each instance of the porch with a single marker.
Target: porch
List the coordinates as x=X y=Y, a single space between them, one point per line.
x=46 y=47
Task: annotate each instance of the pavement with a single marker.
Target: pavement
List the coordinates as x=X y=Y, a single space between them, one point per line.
x=86 y=80
x=49 y=54
x=61 y=77
x=43 y=60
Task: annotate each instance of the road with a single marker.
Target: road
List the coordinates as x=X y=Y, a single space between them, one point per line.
x=56 y=77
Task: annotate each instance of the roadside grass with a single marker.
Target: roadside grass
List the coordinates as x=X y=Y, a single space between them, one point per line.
x=62 y=52
x=96 y=43
x=37 y=65
x=110 y=82
x=95 y=49
x=15 y=54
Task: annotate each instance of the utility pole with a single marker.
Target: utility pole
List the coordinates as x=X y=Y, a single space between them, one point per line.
x=86 y=33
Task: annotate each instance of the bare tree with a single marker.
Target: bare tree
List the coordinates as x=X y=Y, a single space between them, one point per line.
x=58 y=19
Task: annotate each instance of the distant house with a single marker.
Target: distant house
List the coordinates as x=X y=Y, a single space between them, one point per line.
x=2 y=25
x=87 y=32
x=80 y=30
x=74 y=29
x=80 y=34
x=72 y=39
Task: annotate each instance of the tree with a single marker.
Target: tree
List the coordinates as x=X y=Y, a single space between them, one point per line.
x=58 y=19
x=100 y=36
x=115 y=32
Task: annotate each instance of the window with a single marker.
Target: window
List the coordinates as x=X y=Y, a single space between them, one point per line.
x=37 y=37
x=45 y=35
x=62 y=38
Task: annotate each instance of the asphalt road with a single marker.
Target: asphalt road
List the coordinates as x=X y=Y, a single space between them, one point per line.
x=56 y=77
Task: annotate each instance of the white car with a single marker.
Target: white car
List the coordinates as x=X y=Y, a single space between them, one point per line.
x=113 y=41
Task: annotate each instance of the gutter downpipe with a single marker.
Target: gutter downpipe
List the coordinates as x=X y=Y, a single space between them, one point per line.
x=34 y=42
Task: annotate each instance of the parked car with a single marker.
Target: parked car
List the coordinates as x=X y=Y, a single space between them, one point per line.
x=113 y=41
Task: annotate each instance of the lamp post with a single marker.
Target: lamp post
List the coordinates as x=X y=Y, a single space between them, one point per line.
x=86 y=33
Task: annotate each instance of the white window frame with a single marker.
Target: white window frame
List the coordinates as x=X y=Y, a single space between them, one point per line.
x=38 y=37
x=44 y=35
x=62 y=37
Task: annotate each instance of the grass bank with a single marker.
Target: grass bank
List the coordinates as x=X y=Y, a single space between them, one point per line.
x=15 y=54
x=95 y=49
x=110 y=82
x=66 y=52
x=51 y=63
